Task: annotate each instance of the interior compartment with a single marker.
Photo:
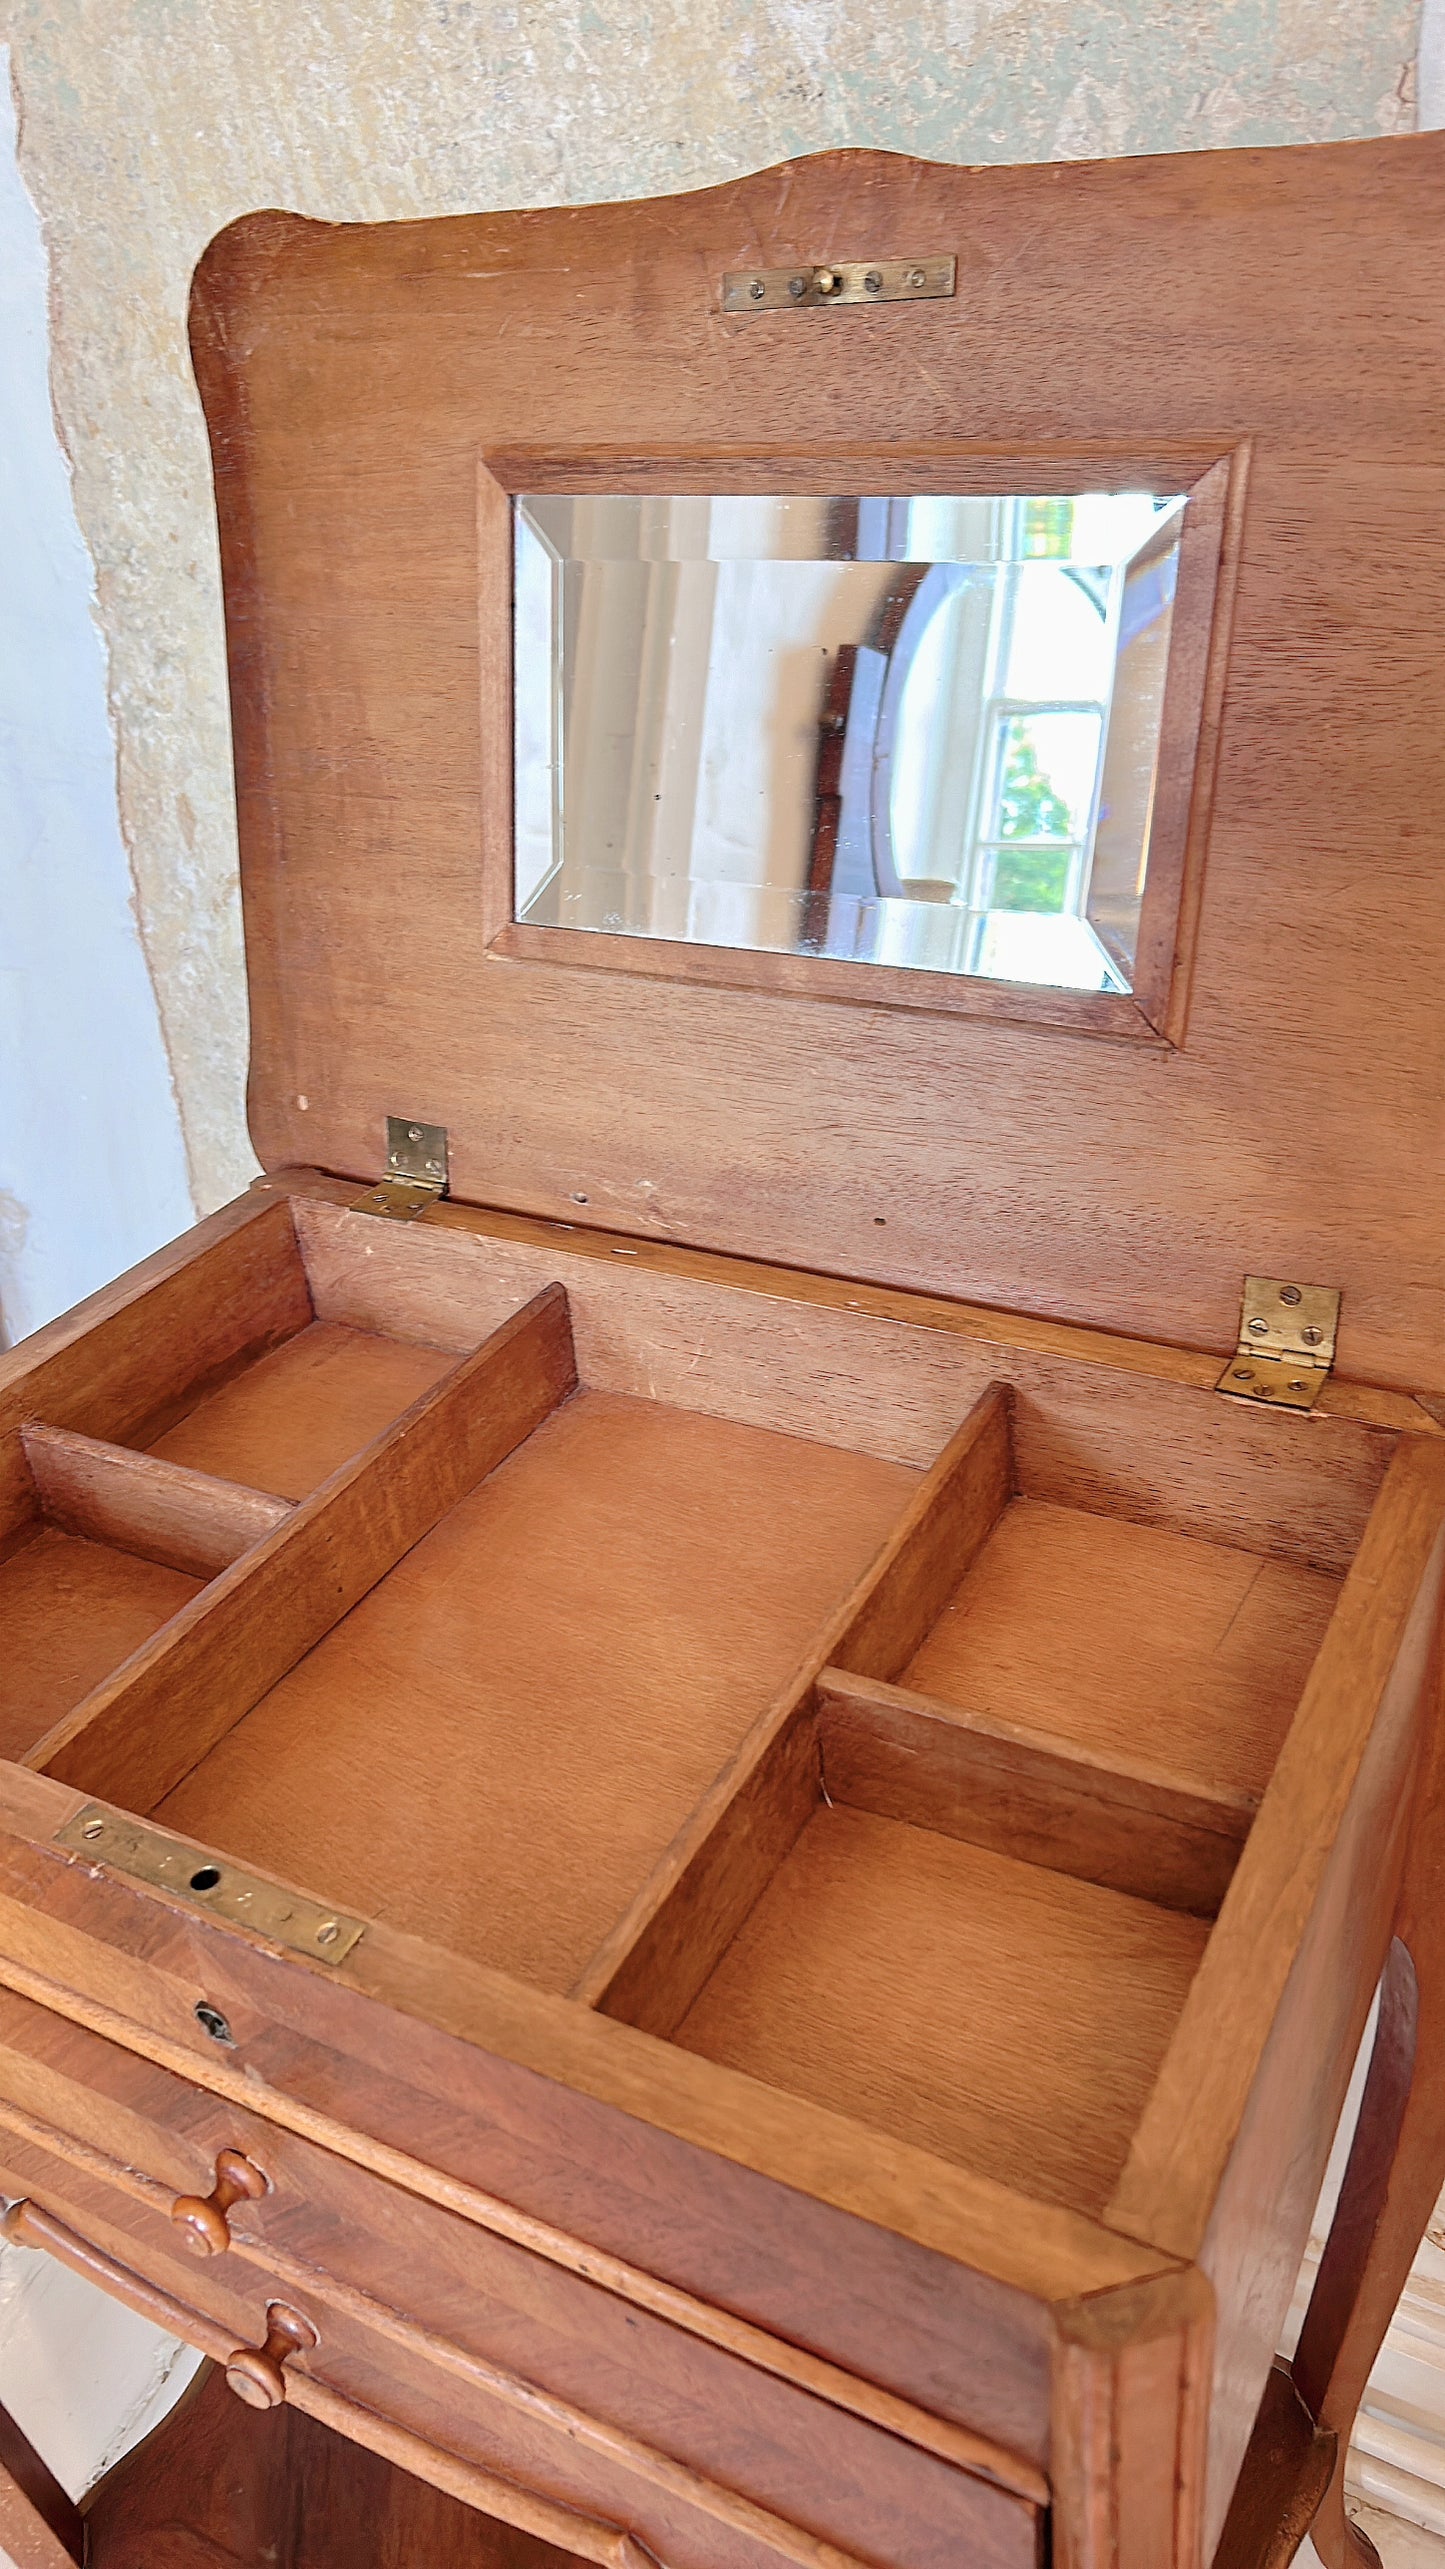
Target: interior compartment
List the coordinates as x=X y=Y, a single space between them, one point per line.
x=498 y=1744
x=302 y=1409
x=1130 y=1641
x=903 y=1766
x=1007 y=2017
x=71 y=1612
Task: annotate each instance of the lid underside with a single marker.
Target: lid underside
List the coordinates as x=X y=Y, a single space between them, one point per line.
x=375 y=393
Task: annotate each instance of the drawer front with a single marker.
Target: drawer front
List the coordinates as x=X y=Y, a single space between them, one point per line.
x=568 y=2377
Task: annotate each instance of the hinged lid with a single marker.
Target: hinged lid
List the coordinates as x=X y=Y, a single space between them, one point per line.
x=1264 y=327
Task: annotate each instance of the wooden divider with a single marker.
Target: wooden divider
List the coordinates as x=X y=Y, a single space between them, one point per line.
x=139 y=1503
x=1046 y=1801
x=651 y=1967
x=136 y=1736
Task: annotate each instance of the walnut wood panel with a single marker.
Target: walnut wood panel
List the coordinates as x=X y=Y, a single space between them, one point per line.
x=1110 y=1182
x=113 y=2113
x=389 y=2361
x=605 y=1618
x=333 y=2236
x=108 y=1494
x=579 y=2136
x=1131 y=2405
x=135 y=1738
x=1126 y=1826
x=655 y=1961
x=1230 y=2151
x=100 y=2254
x=1099 y=1424
x=1132 y=1642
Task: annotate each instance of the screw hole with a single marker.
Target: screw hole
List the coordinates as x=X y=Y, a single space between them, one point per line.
x=206 y=1878
x=880 y=1217
x=579 y=1199
x=214 y=2023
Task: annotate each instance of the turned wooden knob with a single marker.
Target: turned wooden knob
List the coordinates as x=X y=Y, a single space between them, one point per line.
x=254 y=2372
x=201 y=2219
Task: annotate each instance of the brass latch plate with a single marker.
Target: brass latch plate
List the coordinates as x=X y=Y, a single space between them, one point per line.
x=1286 y=1343
x=844 y=281
x=416 y=1171
x=205 y=1882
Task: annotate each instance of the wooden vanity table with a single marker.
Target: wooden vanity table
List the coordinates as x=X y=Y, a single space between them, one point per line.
x=711 y=1744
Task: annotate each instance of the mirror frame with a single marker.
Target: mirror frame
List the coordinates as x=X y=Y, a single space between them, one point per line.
x=1153 y=1011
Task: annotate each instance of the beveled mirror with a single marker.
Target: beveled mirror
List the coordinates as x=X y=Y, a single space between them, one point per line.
x=923 y=732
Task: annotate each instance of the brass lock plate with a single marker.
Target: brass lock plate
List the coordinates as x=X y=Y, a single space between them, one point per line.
x=206 y=1881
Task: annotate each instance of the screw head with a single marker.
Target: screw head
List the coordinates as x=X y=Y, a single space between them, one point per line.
x=873 y=282
x=413 y=1132
x=797 y=288
x=1312 y=1336
x=93 y=1829
x=327 y=1932
x=1289 y=1294
x=916 y=278
x=1259 y=1328
x=757 y=289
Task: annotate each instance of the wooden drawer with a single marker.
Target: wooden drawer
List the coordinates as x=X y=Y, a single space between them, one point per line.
x=490 y=2353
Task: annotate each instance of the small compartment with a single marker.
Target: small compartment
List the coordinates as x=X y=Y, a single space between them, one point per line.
x=1006 y=2017
x=298 y=1412
x=1130 y=1642
x=72 y=1611
x=104 y=1549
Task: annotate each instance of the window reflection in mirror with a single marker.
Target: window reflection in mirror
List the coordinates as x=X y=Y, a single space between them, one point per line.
x=915 y=731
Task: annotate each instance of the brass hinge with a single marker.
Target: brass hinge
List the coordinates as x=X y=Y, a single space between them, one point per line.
x=416 y=1171
x=845 y=281
x=1286 y=1343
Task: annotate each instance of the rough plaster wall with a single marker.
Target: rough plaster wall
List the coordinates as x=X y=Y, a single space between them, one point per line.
x=147 y=124
x=92 y=1172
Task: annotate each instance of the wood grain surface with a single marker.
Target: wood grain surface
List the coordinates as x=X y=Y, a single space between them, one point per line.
x=303 y=1409
x=1007 y=2017
x=137 y=1736
x=1131 y=1642
x=496 y=1747
x=359 y=382
x=159 y=1511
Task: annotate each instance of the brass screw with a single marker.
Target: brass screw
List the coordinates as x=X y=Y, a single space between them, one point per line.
x=93 y=1829
x=797 y=288
x=916 y=277
x=757 y=289
x=1289 y=1294
x=1258 y=1328
x=873 y=282
x=327 y=1932
x=413 y=1132
x=1312 y=1336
